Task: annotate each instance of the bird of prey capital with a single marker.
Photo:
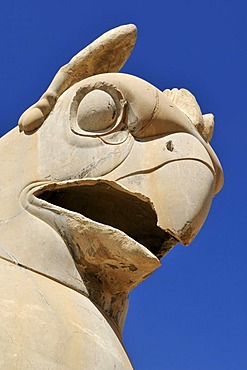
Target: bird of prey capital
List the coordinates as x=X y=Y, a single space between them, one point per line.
x=103 y=176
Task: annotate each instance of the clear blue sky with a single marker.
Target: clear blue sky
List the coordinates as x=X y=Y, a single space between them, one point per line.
x=191 y=314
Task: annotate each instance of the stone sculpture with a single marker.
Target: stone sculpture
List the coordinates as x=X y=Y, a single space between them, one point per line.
x=103 y=177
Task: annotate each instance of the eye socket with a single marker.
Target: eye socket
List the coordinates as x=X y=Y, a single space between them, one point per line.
x=97 y=110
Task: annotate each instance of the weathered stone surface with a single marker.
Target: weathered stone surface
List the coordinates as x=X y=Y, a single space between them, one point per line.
x=46 y=325
x=105 y=174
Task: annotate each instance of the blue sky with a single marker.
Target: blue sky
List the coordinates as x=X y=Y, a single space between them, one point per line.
x=191 y=314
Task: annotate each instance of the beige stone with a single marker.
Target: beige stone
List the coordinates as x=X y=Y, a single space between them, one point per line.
x=105 y=174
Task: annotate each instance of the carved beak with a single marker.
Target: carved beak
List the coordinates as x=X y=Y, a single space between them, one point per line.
x=170 y=162
x=165 y=118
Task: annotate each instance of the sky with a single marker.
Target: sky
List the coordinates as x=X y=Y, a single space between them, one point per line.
x=191 y=314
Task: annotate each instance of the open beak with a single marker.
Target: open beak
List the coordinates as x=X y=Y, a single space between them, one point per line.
x=170 y=162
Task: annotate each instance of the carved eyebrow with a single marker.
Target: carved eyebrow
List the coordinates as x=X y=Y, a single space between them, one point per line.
x=98 y=57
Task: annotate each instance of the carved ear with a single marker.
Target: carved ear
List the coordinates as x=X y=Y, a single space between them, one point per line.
x=106 y=54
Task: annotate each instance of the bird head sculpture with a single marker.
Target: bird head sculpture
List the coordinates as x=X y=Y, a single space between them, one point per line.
x=105 y=174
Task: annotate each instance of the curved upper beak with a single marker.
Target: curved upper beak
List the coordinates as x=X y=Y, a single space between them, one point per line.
x=170 y=161
x=151 y=114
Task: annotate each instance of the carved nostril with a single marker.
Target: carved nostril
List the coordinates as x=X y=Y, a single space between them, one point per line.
x=170 y=146
x=97 y=111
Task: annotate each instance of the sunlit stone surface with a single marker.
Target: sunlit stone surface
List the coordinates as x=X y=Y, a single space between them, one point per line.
x=104 y=175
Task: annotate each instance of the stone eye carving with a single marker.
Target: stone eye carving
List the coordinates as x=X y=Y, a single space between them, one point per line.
x=97 y=110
